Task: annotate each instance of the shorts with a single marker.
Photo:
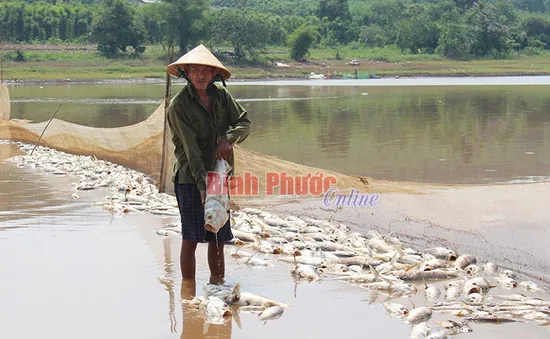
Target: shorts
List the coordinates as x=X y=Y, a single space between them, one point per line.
x=192 y=216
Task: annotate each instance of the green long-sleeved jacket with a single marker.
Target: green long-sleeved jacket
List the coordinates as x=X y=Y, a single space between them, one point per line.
x=195 y=131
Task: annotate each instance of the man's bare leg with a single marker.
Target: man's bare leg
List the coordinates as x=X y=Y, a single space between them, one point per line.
x=188 y=289
x=216 y=262
x=187 y=259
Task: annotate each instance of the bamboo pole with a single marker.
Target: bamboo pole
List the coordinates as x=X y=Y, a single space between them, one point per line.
x=165 y=141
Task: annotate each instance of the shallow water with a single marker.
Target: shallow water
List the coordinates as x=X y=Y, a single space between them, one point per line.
x=72 y=270
x=442 y=130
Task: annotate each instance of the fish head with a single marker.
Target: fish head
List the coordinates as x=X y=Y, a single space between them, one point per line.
x=508 y=274
x=451 y=256
x=475 y=298
x=426 y=267
x=464 y=328
x=471 y=270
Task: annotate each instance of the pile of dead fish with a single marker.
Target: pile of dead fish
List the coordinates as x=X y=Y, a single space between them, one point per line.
x=222 y=301
x=130 y=191
x=455 y=284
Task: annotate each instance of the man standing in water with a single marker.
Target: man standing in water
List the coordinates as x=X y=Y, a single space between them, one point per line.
x=205 y=122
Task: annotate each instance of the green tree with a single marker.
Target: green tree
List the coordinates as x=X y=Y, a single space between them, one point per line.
x=247 y=31
x=184 y=22
x=490 y=36
x=454 y=41
x=537 y=27
x=115 y=27
x=301 y=40
x=334 y=9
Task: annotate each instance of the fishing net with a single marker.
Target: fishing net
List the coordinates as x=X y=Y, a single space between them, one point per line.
x=141 y=146
x=136 y=146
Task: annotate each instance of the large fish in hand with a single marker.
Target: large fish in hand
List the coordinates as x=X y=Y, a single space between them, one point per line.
x=216 y=203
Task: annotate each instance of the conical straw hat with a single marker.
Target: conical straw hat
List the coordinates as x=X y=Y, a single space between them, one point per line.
x=199 y=55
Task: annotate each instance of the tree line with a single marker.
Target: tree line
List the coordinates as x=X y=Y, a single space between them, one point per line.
x=459 y=29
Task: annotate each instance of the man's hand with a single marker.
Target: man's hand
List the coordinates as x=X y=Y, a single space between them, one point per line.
x=223 y=151
x=203 y=197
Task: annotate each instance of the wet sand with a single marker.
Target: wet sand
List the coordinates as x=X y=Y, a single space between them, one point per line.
x=508 y=224
x=72 y=270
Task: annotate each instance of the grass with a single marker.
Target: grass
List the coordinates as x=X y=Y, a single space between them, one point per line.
x=82 y=62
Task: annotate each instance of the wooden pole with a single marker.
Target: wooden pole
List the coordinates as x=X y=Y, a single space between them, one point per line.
x=165 y=141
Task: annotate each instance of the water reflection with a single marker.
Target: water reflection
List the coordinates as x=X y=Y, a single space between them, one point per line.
x=445 y=134
x=193 y=324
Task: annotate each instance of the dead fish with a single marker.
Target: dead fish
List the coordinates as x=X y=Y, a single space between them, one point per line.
x=455 y=327
x=475 y=298
x=225 y=292
x=419 y=275
x=490 y=319
x=476 y=285
x=379 y=245
x=305 y=271
x=252 y=309
x=240 y=253
x=490 y=268
x=421 y=330
x=506 y=282
x=213 y=309
x=536 y=315
x=531 y=286
x=433 y=264
x=396 y=309
x=253 y=261
x=437 y=335
x=465 y=260
x=452 y=292
x=418 y=315
x=313 y=261
x=508 y=274
x=250 y=299
x=245 y=236
x=359 y=261
x=442 y=253
x=272 y=312
x=432 y=292
x=472 y=270
x=358 y=278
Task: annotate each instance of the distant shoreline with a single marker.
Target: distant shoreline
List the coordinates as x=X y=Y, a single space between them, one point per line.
x=259 y=78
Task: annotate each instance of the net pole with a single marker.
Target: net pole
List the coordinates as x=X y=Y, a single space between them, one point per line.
x=165 y=141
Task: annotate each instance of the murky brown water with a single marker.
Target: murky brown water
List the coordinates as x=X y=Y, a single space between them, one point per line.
x=462 y=130
x=71 y=270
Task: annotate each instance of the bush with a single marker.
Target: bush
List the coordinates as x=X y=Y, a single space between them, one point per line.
x=17 y=56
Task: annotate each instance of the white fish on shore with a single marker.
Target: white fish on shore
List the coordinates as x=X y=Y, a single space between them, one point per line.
x=396 y=309
x=213 y=309
x=271 y=312
x=419 y=331
x=305 y=271
x=531 y=286
x=418 y=315
x=327 y=246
